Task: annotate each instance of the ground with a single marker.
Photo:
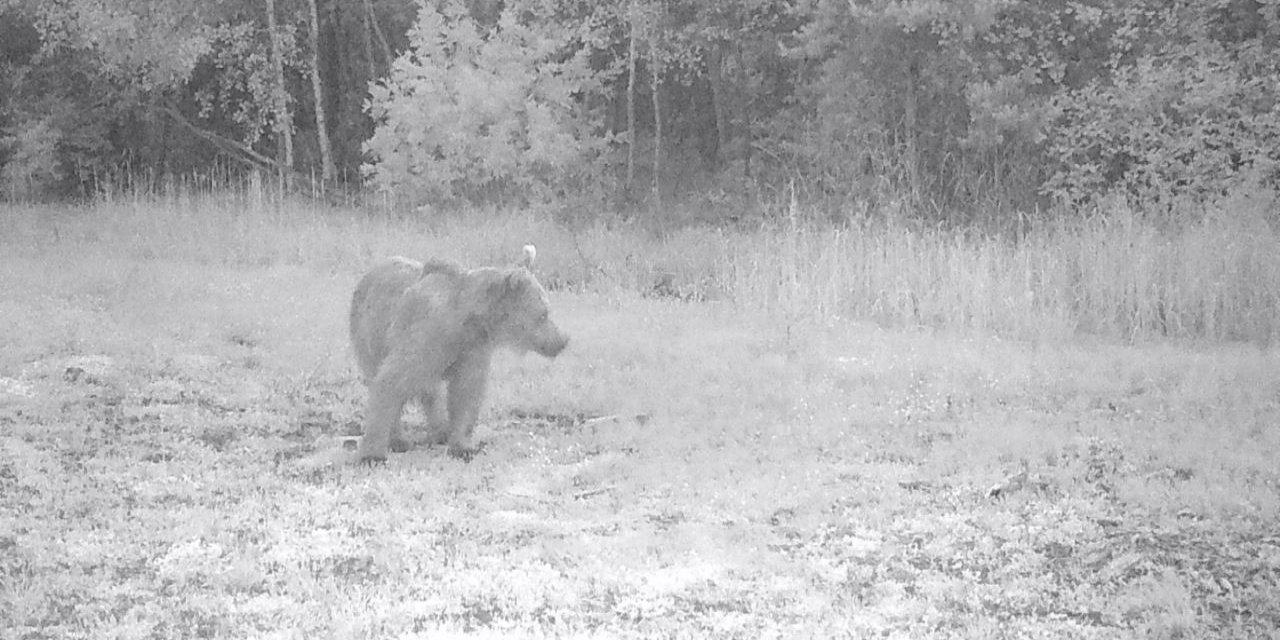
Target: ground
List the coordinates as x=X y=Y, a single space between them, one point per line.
x=685 y=469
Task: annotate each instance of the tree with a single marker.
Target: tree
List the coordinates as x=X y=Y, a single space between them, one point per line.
x=94 y=89
x=498 y=116
x=887 y=101
x=1181 y=114
x=655 y=84
x=633 y=28
x=967 y=109
x=283 y=119
x=328 y=171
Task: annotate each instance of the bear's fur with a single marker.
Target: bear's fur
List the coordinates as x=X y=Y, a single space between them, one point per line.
x=420 y=329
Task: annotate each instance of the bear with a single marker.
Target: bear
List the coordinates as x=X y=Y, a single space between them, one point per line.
x=423 y=329
x=373 y=308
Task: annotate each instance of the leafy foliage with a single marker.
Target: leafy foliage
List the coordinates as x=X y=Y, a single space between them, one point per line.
x=482 y=116
x=963 y=111
x=149 y=45
x=1186 y=115
x=33 y=162
x=233 y=82
x=996 y=101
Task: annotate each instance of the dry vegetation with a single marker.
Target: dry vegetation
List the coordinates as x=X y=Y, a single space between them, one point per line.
x=785 y=434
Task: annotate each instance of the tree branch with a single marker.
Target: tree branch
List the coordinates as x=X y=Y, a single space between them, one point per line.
x=239 y=151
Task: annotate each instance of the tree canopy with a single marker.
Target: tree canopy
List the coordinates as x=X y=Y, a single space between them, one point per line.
x=962 y=108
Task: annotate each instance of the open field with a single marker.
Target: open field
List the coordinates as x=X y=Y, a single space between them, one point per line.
x=693 y=466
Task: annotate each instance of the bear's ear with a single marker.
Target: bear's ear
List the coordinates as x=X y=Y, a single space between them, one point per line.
x=530 y=254
x=501 y=284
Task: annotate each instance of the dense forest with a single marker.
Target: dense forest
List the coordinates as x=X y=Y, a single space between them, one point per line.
x=966 y=110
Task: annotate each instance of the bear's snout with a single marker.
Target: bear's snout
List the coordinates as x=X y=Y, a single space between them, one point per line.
x=553 y=342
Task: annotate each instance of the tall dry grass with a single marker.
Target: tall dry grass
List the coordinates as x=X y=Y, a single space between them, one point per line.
x=1112 y=274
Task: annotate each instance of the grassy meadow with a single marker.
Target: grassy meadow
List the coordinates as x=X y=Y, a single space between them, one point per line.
x=783 y=433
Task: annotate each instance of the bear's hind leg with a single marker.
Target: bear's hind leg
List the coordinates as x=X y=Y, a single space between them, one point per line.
x=434 y=414
x=387 y=397
x=466 y=393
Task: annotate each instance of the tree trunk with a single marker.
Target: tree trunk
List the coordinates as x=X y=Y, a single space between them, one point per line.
x=715 y=76
x=345 y=76
x=367 y=33
x=377 y=31
x=327 y=170
x=655 y=80
x=282 y=118
x=631 y=102
x=743 y=115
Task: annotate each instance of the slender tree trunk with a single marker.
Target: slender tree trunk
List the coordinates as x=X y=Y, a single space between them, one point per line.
x=322 y=130
x=655 y=80
x=282 y=117
x=344 y=75
x=715 y=74
x=631 y=102
x=377 y=32
x=743 y=116
x=367 y=34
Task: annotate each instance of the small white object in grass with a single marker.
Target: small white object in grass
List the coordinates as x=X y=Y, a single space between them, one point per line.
x=330 y=451
x=530 y=254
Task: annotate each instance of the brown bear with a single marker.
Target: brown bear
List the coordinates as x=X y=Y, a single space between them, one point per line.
x=422 y=328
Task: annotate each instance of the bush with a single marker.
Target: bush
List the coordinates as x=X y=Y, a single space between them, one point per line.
x=32 y=166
